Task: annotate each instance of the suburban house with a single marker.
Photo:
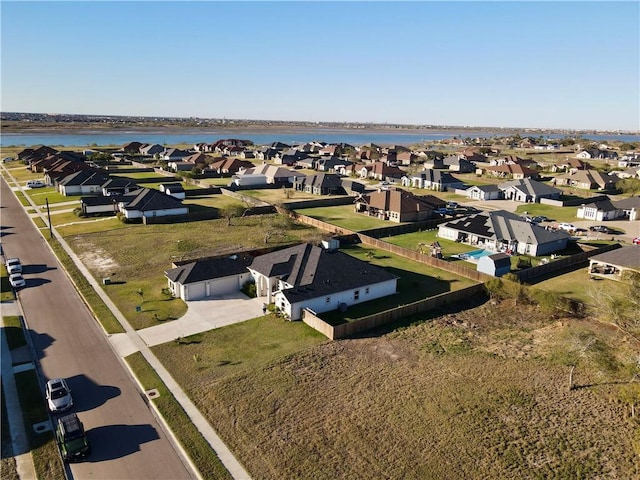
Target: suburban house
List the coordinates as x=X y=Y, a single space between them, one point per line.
x=398 y=205
x=484 y=192
x=118 y=186
x=320 y=184
x=229 y=165
x=527 y=190
x=199 y=160
x=381 y=171
x=311 y=277
x=497 y=264
x=101 y=205
x=131 y=147
x=180 y=166
x=599 y=210
x=515 y=171
x=588 y=180
x=273 y=174
x=331 y=164
x=598 y=153
x=83 y=182
x=173 y=155
x=501 y=231
x=630 y=207
x=429 y=179
x=631 y=172
x=151 y=149
x=209 y=277
x=147 y=202
x=570 y=165
x=453 y=163
x=175 y=189
x=616 y=264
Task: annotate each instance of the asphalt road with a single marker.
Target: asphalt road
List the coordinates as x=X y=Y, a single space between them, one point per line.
x=127 y=441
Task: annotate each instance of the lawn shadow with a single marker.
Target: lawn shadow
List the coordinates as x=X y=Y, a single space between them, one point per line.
x=470 y=303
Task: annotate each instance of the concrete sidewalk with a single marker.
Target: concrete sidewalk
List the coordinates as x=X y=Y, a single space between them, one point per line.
x=21 y=450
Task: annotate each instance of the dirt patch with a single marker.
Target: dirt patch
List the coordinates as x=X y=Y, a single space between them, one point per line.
x=96 y=259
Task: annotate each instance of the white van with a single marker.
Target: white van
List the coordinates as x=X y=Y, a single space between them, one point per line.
x=35 y=184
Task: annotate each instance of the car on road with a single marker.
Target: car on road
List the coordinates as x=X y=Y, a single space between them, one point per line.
x=35 y=184
x=600 y=228
x=636 y=241
x=568 y=227
x=13 y=265
x=58 y=395
x=71 y=437
x=16 y=280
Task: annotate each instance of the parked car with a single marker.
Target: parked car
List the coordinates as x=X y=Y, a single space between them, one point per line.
x=539 y=218
x=58 y=395
x=452 y=204
x=16 y=280
x=600 y=228
x=71 y=437
x=35 y=184
x=444 y=211
x=13 y=265
x=569 y=227
x=636 y=241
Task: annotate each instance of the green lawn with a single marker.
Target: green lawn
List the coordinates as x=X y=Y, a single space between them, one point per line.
x=136 y=257
x=344 y=216
x=279 y=195
x=413 y=240
x=416 y=282
x=200 y=452
x=557 y=214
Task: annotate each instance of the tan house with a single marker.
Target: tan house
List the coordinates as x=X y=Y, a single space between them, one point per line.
x=398 y=205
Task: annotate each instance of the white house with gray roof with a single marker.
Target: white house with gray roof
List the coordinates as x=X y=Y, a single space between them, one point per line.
x=209 y=277
x=526 y=190
x=307 y=276
x=502 y=231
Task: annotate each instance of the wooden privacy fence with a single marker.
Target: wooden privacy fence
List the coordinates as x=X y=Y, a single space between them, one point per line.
x=562 y=263
x=369 y=322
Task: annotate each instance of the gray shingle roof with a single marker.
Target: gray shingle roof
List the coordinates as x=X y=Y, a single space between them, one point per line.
x=314 y=272
x=623 y=257
x=202 y=270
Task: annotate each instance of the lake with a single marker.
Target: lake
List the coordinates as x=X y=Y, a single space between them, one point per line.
x=262 y=137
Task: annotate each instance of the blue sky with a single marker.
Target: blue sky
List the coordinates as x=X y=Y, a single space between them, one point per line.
x=511 y=64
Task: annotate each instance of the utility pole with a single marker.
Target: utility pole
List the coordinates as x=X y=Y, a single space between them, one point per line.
x=49 y=218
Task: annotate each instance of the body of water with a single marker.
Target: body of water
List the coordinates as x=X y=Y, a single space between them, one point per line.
x=119 y=138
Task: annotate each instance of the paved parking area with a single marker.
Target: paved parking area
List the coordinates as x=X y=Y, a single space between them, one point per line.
x=204 y=315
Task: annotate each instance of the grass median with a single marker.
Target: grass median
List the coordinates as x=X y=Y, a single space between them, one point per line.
x=44 y=450
x=198 y=449
x=91 y=297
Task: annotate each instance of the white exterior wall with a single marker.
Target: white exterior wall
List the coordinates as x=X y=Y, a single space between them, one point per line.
x=321 y=304
x=90 y=189
x=250 y=179
x=448 y=233
x=99 y=209
x=155 y=213
x=70 y=190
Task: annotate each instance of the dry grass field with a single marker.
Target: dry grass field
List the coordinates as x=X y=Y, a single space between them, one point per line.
x=476 y=394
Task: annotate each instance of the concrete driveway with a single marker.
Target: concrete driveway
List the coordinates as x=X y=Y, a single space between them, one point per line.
x=204 y=315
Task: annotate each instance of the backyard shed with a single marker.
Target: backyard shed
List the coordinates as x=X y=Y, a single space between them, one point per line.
x=497 y=264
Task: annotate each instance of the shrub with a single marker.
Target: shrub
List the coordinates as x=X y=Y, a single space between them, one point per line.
x=249 y=289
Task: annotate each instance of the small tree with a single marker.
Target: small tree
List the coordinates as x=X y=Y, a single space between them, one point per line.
x=629 y=185
x=232 y=211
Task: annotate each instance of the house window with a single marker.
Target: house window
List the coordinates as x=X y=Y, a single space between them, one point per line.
x=327 y=300
x=366 y=291
x=356 y=294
